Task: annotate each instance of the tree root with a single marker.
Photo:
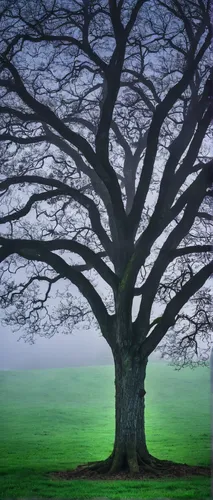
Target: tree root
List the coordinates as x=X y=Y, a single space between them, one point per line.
x=133 y=464
x=146 y=471
x=160 y=464
x=100 y=466
x=146 y=467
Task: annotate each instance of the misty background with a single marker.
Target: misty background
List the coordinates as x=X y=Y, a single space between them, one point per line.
x=81 y=348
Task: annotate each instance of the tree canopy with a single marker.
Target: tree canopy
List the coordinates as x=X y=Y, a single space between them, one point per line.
x=106 y=171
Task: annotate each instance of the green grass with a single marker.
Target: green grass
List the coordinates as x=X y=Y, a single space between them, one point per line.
x=56 y=419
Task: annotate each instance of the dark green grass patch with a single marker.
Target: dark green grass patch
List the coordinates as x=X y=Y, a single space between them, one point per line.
x=56 y=419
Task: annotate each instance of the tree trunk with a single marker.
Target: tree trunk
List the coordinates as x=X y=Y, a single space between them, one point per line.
x=130 y=453
x=130 y=450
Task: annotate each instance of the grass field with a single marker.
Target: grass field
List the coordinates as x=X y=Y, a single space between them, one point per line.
x=56 y=419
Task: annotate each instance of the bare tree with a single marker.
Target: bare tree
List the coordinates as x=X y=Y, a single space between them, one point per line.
x=106 y=184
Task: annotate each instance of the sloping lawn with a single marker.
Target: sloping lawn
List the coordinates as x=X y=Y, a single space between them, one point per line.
x=56 y=419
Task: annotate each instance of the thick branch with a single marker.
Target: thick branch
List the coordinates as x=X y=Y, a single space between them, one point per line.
x=112 y=86
x=116 y=20
x=153 y=136
x=156 y=226
x=22 y=140
x=179 y=252
x=136 y=9
x=90 y=257
x=165 y=256
x=69 y=191
x=191 y=250
x=32 y=117
x=101 y=164
x=26 y=209
x=185 y=196
x=170 y=183
x=46 y=115
x=204 y=215
x=68 y=272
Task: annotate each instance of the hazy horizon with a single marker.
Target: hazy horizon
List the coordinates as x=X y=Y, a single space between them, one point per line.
x=82 y=348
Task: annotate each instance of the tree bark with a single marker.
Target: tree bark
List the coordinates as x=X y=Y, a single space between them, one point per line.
x=130 y=449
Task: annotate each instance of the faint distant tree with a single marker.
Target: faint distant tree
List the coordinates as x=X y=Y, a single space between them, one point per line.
x=106 y=184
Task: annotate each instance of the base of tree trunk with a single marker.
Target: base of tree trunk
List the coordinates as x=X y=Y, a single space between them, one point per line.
x=148 y=468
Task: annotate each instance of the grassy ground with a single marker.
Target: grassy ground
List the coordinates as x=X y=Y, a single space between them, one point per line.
x=57 y=419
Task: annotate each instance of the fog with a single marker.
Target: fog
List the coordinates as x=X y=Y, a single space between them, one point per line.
x=82 y=348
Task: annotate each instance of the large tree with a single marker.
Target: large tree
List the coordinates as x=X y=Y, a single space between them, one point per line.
x=106 y=183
